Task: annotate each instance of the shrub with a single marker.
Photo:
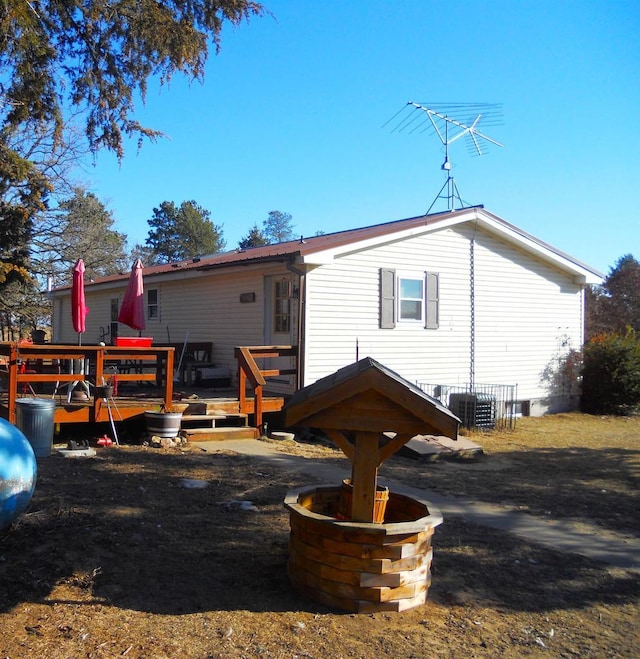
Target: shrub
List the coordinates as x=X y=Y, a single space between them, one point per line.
x=611 y=374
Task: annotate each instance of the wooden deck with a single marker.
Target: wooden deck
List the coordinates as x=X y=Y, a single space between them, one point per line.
x=141 y=378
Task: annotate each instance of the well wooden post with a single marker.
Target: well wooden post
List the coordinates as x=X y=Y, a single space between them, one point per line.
x=365 y=476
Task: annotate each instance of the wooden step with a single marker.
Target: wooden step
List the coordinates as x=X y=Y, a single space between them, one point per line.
x=203 y=417
x=220 y=434
x=210 y=421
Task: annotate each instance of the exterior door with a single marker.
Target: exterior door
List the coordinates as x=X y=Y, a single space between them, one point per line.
x=280 y=322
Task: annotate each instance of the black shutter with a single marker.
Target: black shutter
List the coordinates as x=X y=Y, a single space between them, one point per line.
x=387 y=298
x=432 y=288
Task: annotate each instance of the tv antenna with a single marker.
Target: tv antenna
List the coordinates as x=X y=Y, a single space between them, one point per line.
x=440 y=120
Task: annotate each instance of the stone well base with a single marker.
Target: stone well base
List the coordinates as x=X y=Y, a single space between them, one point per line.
x=357 y=566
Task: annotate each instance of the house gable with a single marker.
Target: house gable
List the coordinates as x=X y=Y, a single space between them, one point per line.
x=483 y=220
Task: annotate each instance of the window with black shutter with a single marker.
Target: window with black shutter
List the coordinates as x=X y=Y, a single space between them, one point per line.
x=409 y=299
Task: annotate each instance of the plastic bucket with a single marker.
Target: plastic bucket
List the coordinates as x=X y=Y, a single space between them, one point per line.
x=35 y=417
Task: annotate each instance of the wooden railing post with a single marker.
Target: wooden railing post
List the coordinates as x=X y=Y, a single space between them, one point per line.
x=13 y=382
x=258 y=408
x=168 y=390
x=100 y=381
x=248 y=371
x=242 y=389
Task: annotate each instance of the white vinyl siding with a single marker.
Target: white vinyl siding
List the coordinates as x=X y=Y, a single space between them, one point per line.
x=526 y=313
x=197 y=306
x=98 y=320
x=344 y=320
x=208 y=308
x=527 y=316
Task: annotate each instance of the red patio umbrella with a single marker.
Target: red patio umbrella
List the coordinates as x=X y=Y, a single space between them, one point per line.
x=79 y=308
x=132 y=307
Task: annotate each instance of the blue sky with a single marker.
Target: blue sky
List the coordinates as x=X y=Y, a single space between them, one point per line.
x=291 y=117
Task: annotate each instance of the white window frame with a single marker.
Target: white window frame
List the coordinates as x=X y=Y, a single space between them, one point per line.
x=414 y=277
x=155 y=318
x=390 y=302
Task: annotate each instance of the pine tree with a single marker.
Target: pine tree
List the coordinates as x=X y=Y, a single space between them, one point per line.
x=178 y=233
x=255 y=238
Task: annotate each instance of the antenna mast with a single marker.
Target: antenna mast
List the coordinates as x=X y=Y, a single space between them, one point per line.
x=439 y=121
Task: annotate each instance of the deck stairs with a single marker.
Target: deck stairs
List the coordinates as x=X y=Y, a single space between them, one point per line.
x=206 y=427
x=219 y=420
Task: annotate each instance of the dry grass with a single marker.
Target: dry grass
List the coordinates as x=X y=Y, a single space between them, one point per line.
x=561 y=466
x=114 y=558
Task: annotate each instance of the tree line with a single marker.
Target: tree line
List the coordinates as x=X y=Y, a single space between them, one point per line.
x=610 y=358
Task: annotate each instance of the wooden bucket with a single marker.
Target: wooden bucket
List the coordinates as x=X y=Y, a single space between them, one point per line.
x=345 y=502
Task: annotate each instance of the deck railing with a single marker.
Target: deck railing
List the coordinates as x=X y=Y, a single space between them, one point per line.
x=249 y=373
x=25 y=365
x=49 y=369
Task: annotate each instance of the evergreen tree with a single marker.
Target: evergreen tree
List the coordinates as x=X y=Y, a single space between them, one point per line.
x=616 y=306
x=178 y=233
x=255 y=238
x=15 y=278
x=97 y=55
x=14 y=245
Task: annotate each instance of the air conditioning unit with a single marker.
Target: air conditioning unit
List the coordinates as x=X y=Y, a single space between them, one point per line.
x=474 y=410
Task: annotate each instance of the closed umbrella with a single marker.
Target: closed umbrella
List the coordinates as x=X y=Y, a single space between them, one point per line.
x=132 y=307
x=79 y=308
x=79 y=311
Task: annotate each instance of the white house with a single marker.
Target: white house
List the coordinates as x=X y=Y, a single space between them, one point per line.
x=452 y=299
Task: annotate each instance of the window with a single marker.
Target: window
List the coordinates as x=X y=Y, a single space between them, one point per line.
x=113 y=317
x=282 y=306
x=153 y=308
x=518 y=408
x=409 y=299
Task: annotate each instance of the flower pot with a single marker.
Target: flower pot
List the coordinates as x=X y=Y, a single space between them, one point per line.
x=163 y=424
x=105 y=391
x=346 y=499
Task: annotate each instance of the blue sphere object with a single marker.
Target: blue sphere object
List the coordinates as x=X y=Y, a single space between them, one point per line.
x=18 y=471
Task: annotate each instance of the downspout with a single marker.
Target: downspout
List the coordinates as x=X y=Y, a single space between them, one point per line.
x=300 y=362
x=583 y=315
x=472 y=308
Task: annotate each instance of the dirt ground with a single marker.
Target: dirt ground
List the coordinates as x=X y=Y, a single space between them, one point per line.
x=120 y=556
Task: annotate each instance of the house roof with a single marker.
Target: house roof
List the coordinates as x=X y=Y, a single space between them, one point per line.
x=320 y=249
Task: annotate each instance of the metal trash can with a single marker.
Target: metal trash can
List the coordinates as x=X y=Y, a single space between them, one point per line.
x=34 y=416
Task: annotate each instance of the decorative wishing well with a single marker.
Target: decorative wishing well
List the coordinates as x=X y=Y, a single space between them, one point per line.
x=358 y=563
